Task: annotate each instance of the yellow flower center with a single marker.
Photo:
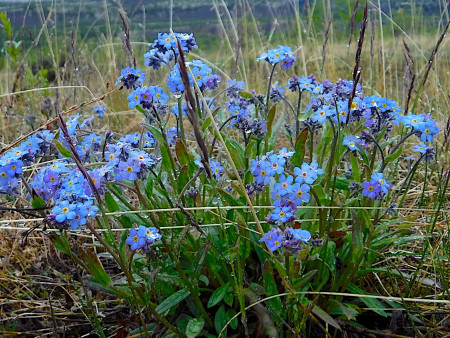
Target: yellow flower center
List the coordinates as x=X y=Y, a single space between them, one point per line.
x=158 y=95
x=370 y=188
x=65 y=210
x=136 y=238
x=282 y=214
x=3 y=174
x=129 y=169
x=354 y=105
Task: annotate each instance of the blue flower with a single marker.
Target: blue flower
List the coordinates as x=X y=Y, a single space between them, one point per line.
x=379 y=177
x=100 y=110
x=371 y=189
x=158 y=94
x=216 y=168
x=134 y=240
x=127 y=171
x=421 y=148
x=300 y=234
x=351 y=142
x=321 y=114
x=284 y=186
x=282 y=214
x=64 y=211
x=131 y=78
x=305 y=174
x=285 y=153
x=80 y=218
x=300 y=193
x=273 y=239
x=283 y=54
x=264 y=173
x=277 y=163
x=306 y=83
x=172 y=136
x=174 y=81
x=150 y=234
x=134 y=98
x=428 y=129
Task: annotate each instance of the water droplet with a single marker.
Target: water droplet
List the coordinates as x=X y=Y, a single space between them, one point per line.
x=348 y=46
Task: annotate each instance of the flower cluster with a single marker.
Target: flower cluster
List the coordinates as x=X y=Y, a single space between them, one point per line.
x=164 y=48
x=11 y=164
x=61 y=183
x=288 y=192
x=331 y=102
x=131 y=78
x=147 y=97
x=377 y=187
x=202 y=74
x=100 y=111
x=142 y=237
x=283 y=55
x=292 y=239
x=215 y=166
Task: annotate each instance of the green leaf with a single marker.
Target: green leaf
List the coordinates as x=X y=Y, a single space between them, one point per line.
x=230 y=313
x=38 y=202
x=218 y=295
x=111 y=203
x=236 y=152
x=183 y=178
x=342 y=183
x=140 y=109
x=250 y=150
x=172 y=300
x=348 y=310
x=63 y=150
x=245 y=95
x=149 y=187
x=394 y=156
x=60 y=242
x=357 y=238
x=95 y=267
x=355 y=168
x=374 y=304
x=297 y=159
x=271 y=290
x=220 y=320
x=194 y=327
x=228 y=299
x=270 y=119
x=182 y=154
x=325 y=317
